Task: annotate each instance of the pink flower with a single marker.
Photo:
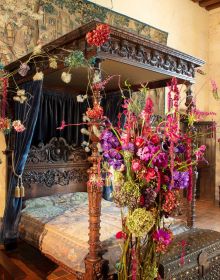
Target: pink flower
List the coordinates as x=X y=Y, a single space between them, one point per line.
x=136 y=165
x=18 y=126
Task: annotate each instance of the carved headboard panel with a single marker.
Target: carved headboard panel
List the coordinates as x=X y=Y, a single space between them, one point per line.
x=55 y=168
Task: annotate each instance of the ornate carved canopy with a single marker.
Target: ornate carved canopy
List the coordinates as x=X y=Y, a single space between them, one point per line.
x=124 y=53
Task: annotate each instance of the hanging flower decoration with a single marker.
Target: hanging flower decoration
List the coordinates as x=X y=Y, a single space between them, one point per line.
x=23 y=69
x=53 y=62
x=95 y=113
x=5 y=125
x=20 y=97
x=18 y=126
x=66 y=77
x=98 y=36
x=38 y=76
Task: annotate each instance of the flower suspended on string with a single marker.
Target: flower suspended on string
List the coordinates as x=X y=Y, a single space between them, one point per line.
x=95 y=113
x=18 y=126
x=81 y=98
x=23 y=69
x=98 y=36
x=66 y=77
x=53 y=62
x=38 y=76
x=21 y=96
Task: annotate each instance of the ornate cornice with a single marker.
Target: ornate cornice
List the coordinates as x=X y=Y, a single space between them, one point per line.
x=125 y=47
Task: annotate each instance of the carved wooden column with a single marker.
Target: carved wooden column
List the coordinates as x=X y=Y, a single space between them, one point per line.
x=96 y=267
x=191 y=205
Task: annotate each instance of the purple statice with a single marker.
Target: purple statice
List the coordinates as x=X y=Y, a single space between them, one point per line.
x=160 y=160
x=181 y=179
x=147 y=153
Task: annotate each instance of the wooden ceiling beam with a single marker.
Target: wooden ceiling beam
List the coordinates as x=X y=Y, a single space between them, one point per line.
x=207 y=3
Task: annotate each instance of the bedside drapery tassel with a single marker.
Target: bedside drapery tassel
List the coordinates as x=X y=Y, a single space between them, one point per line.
x=19 y=190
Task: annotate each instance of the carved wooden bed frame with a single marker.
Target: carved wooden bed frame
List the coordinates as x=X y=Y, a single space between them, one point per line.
x=128 y=49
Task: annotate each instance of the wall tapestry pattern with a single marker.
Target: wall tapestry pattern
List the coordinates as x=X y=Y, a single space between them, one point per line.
x=31 y=21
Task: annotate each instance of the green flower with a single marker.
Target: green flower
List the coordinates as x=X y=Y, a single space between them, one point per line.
x=75 y=59
x=140 y=222
x=131 y=188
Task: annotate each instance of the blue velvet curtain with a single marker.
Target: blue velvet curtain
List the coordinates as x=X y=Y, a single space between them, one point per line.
x=54 y=108
x=27 y=112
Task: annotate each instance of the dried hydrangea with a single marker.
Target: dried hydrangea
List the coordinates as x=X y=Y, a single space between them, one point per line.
x=66 y=77
x=53 y=62
x=38 y=76
x=140 y=222
x=75 y=59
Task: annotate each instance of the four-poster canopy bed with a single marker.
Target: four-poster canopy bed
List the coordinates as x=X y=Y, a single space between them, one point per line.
x=57 y=167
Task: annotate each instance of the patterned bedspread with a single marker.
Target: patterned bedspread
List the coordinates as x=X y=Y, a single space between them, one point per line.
x=58 y=226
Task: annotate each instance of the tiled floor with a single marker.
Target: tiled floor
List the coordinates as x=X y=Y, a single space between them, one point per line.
x=38 y=267
x=207 y=215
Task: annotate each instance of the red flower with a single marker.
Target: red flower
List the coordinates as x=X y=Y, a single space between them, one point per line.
x=142 y=200
x=150 y=174
x=155 y=139
x=139 y=141
x=98 y=36
x=121 y=235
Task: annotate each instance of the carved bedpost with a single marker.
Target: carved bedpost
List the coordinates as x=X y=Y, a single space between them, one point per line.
x=96 y=267
x=191 y=205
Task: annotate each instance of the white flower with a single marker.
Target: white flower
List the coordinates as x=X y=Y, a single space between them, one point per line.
x=85 y=118
x=66 y=77
x=99 y=148
x=84 y=131
x=53 y=62
x=84 y=143
x=96 y=131
x=38 y=76
x=81 y=98
x=20 y=92
x=87 y=149
x=37 y=49
x=18 y=126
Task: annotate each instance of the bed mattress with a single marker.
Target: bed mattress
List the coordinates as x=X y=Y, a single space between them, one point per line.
x=58 y=226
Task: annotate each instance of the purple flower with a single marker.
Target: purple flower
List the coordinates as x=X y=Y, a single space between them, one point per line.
x=179 y=149
x=113 y=141
x=160 y=160
x=115 y=163
x=128 y=147
x=181 y=179
x=106 y=135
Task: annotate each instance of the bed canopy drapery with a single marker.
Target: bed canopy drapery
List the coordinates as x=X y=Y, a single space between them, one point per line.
x=132 y=57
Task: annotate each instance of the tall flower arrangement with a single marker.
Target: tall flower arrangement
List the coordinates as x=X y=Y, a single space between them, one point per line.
x=152 y=162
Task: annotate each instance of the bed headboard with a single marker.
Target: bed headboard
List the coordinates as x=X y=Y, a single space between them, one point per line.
x=54 y=168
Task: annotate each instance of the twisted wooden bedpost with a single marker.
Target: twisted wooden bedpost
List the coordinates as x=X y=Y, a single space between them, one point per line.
x=191 y=209
x=96 y=267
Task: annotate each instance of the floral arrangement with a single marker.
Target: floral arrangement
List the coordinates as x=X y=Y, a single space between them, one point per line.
x=151 y=163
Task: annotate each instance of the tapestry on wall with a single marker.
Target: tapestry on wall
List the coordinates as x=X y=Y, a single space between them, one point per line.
x=46 y=20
